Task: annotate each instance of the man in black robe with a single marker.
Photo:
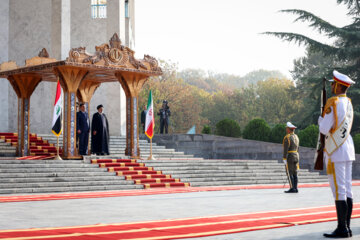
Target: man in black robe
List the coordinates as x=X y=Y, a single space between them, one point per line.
x=100 y=133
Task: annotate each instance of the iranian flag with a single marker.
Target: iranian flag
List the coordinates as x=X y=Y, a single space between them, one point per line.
x=149 y=120
x=56 y=122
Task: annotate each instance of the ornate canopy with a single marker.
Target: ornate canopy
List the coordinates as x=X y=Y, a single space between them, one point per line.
x=80 y=75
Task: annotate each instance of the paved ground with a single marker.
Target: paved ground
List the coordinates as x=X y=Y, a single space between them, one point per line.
x=58 y=213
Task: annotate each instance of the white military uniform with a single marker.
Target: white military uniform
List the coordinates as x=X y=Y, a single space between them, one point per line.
x=341 y=159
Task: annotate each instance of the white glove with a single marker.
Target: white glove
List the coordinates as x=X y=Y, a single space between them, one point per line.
x=284 y=160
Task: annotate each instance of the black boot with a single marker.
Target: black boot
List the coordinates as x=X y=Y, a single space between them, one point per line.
x=341 y=231
x=349 y=202
x=292 y=189
x=295 y=183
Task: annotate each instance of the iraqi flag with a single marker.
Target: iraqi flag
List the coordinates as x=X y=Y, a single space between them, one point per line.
x=56 y=122
x=149 y=120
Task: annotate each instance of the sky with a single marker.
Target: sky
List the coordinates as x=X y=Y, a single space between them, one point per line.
x=224 y=36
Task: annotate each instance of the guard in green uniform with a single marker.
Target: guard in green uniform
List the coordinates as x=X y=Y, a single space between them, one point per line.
x=291 y=156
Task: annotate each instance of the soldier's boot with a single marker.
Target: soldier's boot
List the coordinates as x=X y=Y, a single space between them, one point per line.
x=349 y=202
x=291 y=190
x=341 y=231
x=295 y=183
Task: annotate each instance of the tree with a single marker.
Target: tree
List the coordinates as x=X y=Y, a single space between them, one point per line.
x=345 y=49
x=185 y=101
x=228 y=128
x=357 y=143
x=308 y=72
x=261 y=75
x=278 y=133
x=309 y=136
x=276 y=101
x=257 y=129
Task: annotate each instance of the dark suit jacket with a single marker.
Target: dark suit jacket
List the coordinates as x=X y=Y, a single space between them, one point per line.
x=143 y=116
x=82 y=122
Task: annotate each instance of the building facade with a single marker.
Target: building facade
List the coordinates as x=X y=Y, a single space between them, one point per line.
x=27 y=26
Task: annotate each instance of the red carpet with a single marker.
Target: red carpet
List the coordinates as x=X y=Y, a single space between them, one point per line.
x=185 y=228
x=124 y=193
x=139 y=173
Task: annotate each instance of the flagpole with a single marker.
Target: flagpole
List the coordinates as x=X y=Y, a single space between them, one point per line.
x=57 y=149
x=151 y=156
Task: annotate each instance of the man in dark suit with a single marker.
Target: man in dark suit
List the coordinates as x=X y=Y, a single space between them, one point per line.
x=143 y=118
x=164 y=114
x=83 y=128
x=100 y=133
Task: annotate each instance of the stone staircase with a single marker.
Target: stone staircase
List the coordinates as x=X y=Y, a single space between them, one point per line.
x=45 y=176
x=230 y=172
x=7 y=149
x=118 y=145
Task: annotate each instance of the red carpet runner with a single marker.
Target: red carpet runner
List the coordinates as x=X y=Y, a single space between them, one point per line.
x=38 y=146
x=139 y=173
x=185 y=228
x=140 y=192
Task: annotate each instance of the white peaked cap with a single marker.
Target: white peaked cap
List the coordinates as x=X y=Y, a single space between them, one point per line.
x=342 y=79
x=290 y=125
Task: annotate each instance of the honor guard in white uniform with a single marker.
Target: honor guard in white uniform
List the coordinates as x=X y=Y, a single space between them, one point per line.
x=339 y=151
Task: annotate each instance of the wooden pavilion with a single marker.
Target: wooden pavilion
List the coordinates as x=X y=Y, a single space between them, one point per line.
x=80 y=75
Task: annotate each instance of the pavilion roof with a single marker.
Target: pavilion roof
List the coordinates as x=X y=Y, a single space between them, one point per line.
x=108 y=59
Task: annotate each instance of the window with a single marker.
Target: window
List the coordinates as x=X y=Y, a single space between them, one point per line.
x=126 y=8
x=98 y=8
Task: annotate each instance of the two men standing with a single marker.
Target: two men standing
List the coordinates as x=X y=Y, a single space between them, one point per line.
x=99 y=131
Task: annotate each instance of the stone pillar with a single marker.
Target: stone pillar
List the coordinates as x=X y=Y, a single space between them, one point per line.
x=84 y=94
x=70 y=79
x=132 y=84
x=24 y=86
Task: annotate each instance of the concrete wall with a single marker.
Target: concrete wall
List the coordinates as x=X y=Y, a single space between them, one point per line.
x=30 y=29
x=27 y=26
x=217 y=147
x=4 y=56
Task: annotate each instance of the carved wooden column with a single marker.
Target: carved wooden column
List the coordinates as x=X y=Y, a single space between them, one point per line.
x=70 y=80
x=132 y=84
x=84 y=94
x=24 y=86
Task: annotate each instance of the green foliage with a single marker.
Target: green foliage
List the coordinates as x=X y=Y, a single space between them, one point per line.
x=228 y=128
x=277 y=133
x=309 y=136
x=342 y=54
x=206 y=129
x=356 y=139
x=257 y=129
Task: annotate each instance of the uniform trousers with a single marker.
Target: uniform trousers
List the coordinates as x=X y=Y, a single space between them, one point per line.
x=340 y=181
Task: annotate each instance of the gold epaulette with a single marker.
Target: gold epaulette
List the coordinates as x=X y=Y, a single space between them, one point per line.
x=286 y=137
x=331 y=102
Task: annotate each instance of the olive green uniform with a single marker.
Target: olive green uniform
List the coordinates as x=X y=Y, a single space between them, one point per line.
x=291 y=154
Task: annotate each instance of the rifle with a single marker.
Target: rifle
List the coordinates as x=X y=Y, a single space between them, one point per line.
x=319 y=155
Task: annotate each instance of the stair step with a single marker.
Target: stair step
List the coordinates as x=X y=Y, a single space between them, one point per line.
x=167 y=185
x=125 y=173
x=70 y=189
x=146 y=176
x=156 y=180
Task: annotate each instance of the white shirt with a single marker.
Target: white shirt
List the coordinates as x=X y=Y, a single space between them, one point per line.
x=346 y=152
